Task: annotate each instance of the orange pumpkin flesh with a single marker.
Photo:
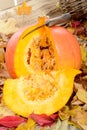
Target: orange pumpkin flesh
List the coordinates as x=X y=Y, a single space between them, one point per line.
x=43 y=50
x=39 y=92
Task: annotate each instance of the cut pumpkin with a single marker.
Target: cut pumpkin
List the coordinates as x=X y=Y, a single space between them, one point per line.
x=45 y=49
x=39 y=93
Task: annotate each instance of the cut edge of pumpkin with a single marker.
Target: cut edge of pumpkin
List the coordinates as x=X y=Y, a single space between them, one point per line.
x=24 y=45
x=16 y=101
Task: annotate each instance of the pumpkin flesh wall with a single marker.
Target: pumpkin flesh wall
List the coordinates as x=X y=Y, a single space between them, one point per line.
x=38 y=55
x=39 y=93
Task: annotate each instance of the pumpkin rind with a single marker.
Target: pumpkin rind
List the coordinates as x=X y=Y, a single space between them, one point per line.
x=10 y=52
x=15 y=96
x=67 y=47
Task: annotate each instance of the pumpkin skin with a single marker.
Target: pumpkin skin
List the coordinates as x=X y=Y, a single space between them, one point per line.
x=10 y=51
x=66 y=50
x=47 y=93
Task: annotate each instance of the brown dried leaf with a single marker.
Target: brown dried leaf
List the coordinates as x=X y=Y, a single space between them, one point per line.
x=83 y=53
x=3 y=37
x=84 y=127
x=80 y=117
x=63 y=113
x=76 y=102
x=79 y=30
x=77 y=86
x=74 y=110
x=82 y=95
x=2 y=55
x=3 y=74
x=3 y=44
x=85 y=23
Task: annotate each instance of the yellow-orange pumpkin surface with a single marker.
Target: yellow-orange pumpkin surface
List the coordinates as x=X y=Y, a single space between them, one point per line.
x=41 y=93
x=45 y=49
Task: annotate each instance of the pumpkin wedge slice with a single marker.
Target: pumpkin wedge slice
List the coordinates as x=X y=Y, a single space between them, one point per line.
x=39 y=93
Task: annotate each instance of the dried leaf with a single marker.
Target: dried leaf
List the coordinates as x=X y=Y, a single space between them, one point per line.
x=64 y=113
x=3 y=44
x=83 y=53
x=2 y=55
x=24 y=9
x=79 y=30
x=58 y=5
x=82 y=95
x=84 y=127
x=22 y=126
x=76 y=102
x=8 y=27
x=3 y=76
x=75 y=24
x=66 y=126
x=85 y=23
x=76 y=125
x=74 y=110
x=57 y=125
x=4 y=110
x=70 y=29
x=84 y=107
x=80 y=117
x=11 y=121
x=3 y=37
x=3 y=128
x=29 y=125
x=43 y=119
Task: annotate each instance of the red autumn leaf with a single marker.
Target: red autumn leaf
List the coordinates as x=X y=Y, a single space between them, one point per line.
x=11 y=121
x=3 y=128
x=78 y=28
x=43 y=119
x=54 y=116
x=75 y=24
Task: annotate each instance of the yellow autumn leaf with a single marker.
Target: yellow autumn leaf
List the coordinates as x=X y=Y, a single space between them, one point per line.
x=70 y=29
x=84 y=53
x=29 y=125
x=22 y=126
x=64 y=113
x=24 y=9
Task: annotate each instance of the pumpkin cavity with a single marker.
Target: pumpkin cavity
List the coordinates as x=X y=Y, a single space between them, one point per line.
x=39 y=87
x=40 y=55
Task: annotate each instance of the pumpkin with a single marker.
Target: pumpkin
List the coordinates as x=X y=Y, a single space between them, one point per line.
x=45 y=49
x=40 y=92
